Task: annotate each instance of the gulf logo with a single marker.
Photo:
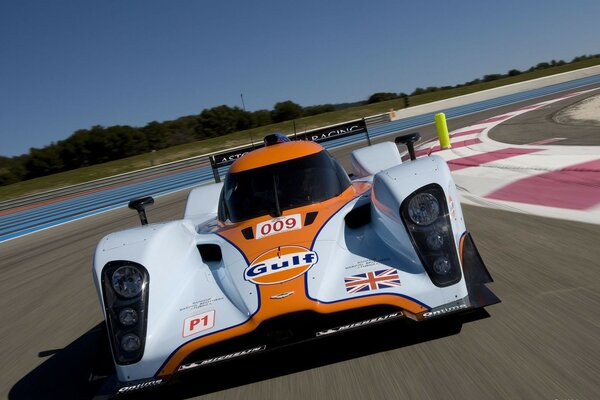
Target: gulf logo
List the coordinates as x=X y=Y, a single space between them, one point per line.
x=280 y=264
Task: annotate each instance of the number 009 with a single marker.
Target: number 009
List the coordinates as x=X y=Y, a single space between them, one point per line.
x=278 y=225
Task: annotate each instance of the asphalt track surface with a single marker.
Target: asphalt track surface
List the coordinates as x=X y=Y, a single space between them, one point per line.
x=540 y=124
x=541 y=342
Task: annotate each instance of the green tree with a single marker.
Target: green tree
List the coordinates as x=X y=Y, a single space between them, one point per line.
x=491 y=77
x=262 y=118
x=244 y=120
x=41 y=162
x=221 y=120
x=381 y=96
x=74 y=150
x=120 y=141
x=11 y=169
x=156 y=134
x=286 y=111
x=182 y=130
x=542 y=65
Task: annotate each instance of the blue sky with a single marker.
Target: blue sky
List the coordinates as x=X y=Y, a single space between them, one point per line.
x=67 y=65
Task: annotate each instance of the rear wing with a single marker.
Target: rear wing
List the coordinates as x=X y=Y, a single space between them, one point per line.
x=319 y=135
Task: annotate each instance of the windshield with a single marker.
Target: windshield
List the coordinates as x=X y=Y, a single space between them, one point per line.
x=298 y=182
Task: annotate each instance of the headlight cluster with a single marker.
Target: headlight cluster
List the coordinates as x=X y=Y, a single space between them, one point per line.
x=125 y=286
x=425 y=214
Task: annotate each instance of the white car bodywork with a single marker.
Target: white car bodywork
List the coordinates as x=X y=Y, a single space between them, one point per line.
x=182 y=286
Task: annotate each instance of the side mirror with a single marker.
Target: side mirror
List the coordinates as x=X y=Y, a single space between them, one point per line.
x=140 y=206
x=409 y=140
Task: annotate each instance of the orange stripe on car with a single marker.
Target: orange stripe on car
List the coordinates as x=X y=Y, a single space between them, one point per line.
x=266 y=155
x=460 y=247
x=269 y=309
x=271 y=303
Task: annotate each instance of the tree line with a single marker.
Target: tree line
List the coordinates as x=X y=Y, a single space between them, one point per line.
x=100 y=144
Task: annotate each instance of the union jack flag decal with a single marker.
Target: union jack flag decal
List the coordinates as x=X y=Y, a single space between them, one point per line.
x=382 y=279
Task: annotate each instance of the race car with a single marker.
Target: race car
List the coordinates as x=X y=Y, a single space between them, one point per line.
x=287 y=249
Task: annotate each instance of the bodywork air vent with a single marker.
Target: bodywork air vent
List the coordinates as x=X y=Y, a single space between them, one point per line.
x=210 y=252
x=359 y=216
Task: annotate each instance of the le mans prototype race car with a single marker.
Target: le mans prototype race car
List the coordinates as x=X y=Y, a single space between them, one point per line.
x=286 y=249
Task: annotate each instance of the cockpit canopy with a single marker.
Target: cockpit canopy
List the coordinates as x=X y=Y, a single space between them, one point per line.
x=274 y=188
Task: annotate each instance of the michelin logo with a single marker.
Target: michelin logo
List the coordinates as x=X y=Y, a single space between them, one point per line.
x=359 y=324
x=221 y=358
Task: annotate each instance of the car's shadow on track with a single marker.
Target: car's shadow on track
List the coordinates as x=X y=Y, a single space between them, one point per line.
x=65 y=374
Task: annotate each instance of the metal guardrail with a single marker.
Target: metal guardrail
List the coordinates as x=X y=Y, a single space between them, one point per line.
x=103 y=182
x=379 y=119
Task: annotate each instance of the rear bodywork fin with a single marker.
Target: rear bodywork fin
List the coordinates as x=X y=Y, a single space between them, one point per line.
x=476 y=274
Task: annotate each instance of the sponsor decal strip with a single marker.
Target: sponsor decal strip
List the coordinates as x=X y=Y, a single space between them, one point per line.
x=444 y=310
x=359 y=324
x=139 y=386
x=185 y=367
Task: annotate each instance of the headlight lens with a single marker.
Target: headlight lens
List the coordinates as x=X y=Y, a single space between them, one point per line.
x=435 y=240
x=127 y=281
x=130 y=342
x=128 y=316
x=423 y=209
x=441 y=266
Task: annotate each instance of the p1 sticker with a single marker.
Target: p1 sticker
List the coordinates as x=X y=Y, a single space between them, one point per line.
x=198 y=323
x=278 y=225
